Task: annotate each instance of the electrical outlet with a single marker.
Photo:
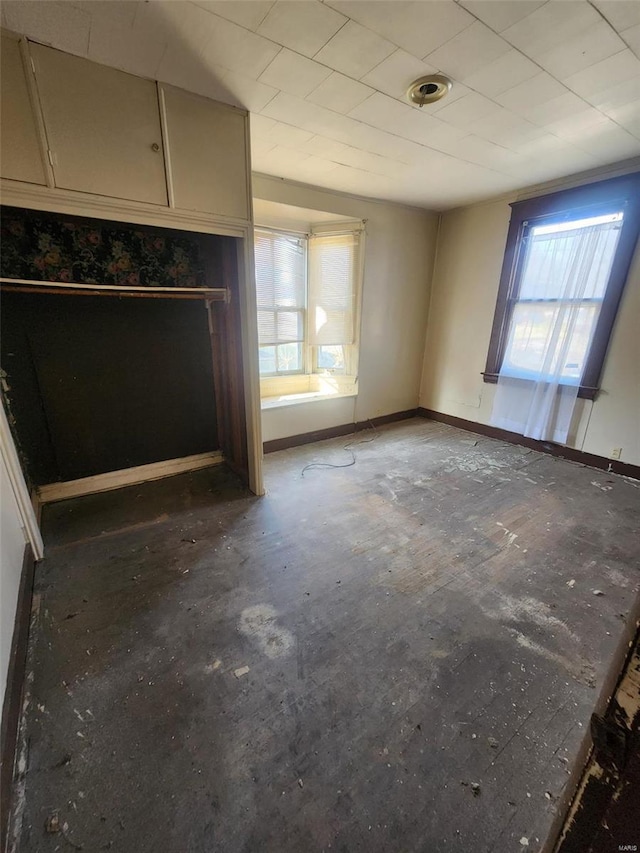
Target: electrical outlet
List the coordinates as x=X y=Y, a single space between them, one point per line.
x=616 y=453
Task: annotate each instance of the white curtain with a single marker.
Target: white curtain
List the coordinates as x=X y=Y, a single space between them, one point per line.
x=564 y=276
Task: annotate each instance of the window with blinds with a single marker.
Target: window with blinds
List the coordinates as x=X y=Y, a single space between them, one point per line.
x=281 y=276
x=307 y=295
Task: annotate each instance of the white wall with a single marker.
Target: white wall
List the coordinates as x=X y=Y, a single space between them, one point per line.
x=464 y=291
x=399 y=247
x=12 y=543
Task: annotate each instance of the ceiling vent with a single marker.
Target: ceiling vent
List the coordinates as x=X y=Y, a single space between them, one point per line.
x=426 y=90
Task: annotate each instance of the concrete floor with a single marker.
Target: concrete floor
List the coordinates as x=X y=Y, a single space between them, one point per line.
x=335 y=666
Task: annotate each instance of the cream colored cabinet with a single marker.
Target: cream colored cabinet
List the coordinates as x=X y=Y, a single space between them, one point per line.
x=20 y=146
x=103 y=127
x=206 y=154
x=99 y=130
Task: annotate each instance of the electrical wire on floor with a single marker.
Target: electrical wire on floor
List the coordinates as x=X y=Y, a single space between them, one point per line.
x=347 y=447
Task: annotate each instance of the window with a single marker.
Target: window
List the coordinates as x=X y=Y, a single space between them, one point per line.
x=565 y=265
x=281 y=288
x=307 y=294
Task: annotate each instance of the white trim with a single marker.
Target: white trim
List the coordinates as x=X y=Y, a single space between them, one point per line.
x=335 y=229
x=126 y=477
x=297 y=399
x=286 y=231
x=247 y=157
x=21 y=194
x=354 y=352
x=249 y=334
x=36 y=107
x=164 y=129
x=19 y=487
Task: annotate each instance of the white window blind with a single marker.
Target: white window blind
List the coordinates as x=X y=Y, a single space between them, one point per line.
x=280 y=287
x=333 y=273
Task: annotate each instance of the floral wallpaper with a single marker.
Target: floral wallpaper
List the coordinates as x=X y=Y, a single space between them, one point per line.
x=51 y=247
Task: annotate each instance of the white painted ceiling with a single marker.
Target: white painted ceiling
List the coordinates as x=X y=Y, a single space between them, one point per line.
x=274 y=215
x=541 y=89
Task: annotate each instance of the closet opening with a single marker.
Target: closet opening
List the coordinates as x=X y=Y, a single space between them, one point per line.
x=121 y=351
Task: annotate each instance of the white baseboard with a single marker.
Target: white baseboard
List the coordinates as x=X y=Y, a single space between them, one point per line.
x=126 y=477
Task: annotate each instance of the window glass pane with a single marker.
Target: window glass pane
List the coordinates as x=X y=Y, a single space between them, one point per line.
x=570 y=260
x=331 y=357
x=289 y=358
x=528 y=335
x=541 y=336
x=581 y=338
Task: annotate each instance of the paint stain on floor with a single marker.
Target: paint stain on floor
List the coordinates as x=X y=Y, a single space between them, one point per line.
x=260 y=624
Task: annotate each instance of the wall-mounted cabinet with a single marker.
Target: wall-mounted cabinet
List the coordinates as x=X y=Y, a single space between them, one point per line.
x=21 y=149
x=81 y=126
x=103 y=127
x=206 y=154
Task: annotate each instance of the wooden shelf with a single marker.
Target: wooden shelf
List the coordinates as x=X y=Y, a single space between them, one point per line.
x=67 y=288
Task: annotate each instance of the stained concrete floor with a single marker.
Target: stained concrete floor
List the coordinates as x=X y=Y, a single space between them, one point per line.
x=333 y=666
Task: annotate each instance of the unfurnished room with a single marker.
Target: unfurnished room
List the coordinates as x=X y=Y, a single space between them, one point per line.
x=320 y=426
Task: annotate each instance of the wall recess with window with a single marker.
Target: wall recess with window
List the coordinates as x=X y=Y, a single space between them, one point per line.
x=397 y=253
x=308 y=286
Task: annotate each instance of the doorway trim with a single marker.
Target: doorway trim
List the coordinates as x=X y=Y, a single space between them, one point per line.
x=19 y=488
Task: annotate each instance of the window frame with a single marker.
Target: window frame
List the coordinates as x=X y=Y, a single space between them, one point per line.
x=591 y=199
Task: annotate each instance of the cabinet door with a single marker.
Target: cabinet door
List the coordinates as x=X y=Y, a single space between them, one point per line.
x=20 y=153
x=103 y=127
x=207 y=154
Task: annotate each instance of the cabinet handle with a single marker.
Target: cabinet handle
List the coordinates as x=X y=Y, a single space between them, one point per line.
x=155 y=147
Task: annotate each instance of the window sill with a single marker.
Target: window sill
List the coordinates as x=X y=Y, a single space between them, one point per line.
x=298 y=399
x=278 y=391
x=584 y=391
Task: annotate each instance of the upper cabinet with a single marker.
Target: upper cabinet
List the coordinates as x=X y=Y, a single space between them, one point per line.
x=103 y=127
x=21 y=150
x=207 y=146
x=76 y=125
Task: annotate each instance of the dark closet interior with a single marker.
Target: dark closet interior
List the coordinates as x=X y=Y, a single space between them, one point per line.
x=98 y=383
